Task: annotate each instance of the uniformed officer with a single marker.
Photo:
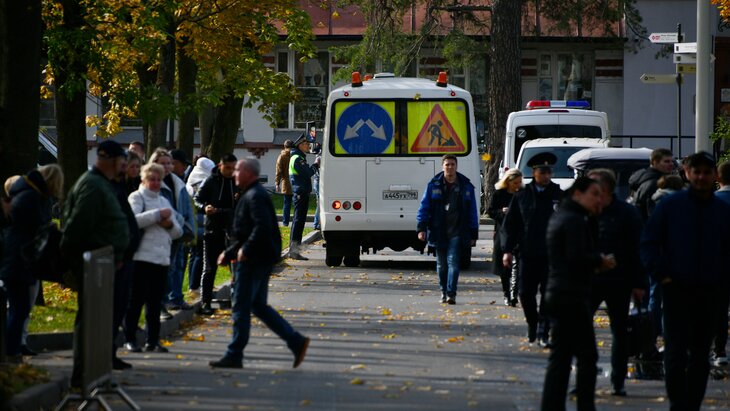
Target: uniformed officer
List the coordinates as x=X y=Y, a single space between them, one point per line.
x=300 y=176
x=525 y=226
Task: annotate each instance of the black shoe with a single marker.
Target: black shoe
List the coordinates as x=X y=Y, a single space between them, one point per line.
x=297 y=256
x=513 y=302
x=301 y=352
x=119 y=364
x=155 y=348
x=443 y=298
x=207 y=309
x=226 y=362
x=132 y=347
x=531 y=333
x=25 y=350
x=182 y=306
x=618 y=391
x=164 y=314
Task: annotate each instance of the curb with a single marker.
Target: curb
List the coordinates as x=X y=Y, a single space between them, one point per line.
x=42 y=396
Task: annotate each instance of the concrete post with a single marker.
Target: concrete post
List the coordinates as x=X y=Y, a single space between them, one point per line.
x=704 y=110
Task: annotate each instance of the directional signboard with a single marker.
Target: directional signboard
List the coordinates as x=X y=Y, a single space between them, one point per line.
x=683 y=48
x=658 y=78
x=664 y=38
x=685 y=58
x=686 y=68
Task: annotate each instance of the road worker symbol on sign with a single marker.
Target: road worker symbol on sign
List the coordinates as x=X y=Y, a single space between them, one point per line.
x=437 y=127
x=364 y=128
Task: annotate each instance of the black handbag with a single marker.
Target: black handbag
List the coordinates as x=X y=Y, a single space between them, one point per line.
x=42 y=254
x=640 y=332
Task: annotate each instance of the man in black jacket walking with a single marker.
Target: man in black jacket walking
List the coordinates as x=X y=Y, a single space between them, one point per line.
x=619 y=234
x=525 y=226
x=217 y=199
x=256 y=246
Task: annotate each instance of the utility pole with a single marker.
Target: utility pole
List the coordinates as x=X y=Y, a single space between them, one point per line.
x=703 y=114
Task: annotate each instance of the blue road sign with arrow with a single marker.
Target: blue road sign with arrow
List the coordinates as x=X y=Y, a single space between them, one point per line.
x=365 y=128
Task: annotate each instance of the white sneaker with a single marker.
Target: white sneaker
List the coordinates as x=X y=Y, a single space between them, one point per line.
x=720 y=360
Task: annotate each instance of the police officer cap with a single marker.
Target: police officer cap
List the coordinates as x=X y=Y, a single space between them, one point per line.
x=302 y=138
x=542 y=160
x=110 y=149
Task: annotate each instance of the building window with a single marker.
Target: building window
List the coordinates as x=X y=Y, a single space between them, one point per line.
x=312 y=80
x=566 y=76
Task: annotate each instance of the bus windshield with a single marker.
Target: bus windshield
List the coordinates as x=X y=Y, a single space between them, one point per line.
x=399 y=127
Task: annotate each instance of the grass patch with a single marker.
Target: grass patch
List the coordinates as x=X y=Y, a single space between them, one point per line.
x=16 y=378
x=60 y=310
x=278 y=200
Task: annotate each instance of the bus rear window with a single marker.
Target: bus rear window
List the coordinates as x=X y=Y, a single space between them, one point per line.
x=399 y=128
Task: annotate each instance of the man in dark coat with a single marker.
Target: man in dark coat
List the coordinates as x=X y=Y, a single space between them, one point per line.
x=684 y=246
x=525 y=226
x=619 y=233
x=448 y=219
x=216 y=198
x=643 y=182
x=300 y=176
x=256 y=246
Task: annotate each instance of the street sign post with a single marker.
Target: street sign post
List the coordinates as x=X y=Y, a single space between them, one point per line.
x=658 y=78
x=664 y=38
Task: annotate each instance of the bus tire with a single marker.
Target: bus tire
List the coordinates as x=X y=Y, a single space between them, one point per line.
x=352 y=260
x=333 y=260
x=465 y=262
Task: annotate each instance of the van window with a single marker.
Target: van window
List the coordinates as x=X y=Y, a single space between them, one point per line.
x=399 y=127
x=560 y=169
x=531 y=132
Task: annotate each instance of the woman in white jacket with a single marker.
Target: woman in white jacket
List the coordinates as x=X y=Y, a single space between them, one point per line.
x=156 y=217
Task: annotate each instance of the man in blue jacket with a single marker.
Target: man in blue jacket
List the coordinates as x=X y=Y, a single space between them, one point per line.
x=448 y=219
x=685 y=245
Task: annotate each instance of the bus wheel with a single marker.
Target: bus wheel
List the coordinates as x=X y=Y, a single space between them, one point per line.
x=333 y=260
x=352 y=260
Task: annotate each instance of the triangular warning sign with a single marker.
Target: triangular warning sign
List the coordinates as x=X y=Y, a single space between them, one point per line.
x=437 y=135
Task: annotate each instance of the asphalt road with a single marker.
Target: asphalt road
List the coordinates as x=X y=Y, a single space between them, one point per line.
x=380 y=341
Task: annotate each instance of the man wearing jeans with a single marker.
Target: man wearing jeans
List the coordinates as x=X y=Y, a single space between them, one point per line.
x=448 y=219
x=685 y=245
x=256 y=246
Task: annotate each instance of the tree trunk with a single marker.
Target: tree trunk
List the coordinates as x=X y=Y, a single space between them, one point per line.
x=20 y=47
x=165 y=84
x=71 y=104
x=504 y=82
x=146 y=80
x=206 y=120
x=225 y=128
x=186 y=73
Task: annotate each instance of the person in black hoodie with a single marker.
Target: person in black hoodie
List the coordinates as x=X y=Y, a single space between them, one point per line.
x=573 y=255
x=256 y=246
x=643 y=182
x=524 y=227
x=30 y=209
x=216 y=198
x=619 y=234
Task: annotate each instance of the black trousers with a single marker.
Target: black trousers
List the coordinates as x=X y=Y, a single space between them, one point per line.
x=721 y=329
x=504 y=273
x=122 y=289
x=573 y=336
x=533 y=277
x=690 y=315
x=214 y=243
x=301 y=206
x=148 y=286
x=617 y=298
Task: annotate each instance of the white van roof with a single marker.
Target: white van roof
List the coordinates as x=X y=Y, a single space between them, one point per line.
x=566 y=141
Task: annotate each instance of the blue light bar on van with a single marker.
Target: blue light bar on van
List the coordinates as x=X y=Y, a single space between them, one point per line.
x=535 y=104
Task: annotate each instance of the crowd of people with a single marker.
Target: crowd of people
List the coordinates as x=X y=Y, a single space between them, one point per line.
x=660 y=249
x=160 y=216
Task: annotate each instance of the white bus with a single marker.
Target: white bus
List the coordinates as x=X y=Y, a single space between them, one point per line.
x=383 y=142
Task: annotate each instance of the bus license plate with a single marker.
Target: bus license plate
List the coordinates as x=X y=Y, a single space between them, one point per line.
x=400 y=195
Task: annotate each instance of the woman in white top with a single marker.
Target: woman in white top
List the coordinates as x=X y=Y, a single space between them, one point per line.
x=156 y=217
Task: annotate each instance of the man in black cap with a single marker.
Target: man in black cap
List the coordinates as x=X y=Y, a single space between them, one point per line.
x=525 y=226
x=93 y=218
x=181 y=166
x=684 y=246
x=300 y=176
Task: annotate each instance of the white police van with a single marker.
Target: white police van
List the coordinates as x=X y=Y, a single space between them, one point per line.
x=551 y=119
x=383 y=142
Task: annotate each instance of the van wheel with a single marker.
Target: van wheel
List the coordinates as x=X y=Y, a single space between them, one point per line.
x=465 y=262
x=333 y=260
x=352 y=260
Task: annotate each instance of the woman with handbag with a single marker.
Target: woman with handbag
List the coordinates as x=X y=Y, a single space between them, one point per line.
x=498 y=206
x=30 y=211
x=157 y=219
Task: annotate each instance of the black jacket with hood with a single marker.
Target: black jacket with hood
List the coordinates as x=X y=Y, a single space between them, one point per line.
x=221 y=193
x=643 y=185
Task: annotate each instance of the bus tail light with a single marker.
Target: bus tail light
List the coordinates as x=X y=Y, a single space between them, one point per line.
x=346 y=205
x=336 y=205
x=356 y=205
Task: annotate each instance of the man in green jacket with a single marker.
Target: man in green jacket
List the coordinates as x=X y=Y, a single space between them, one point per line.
x=92 y=219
